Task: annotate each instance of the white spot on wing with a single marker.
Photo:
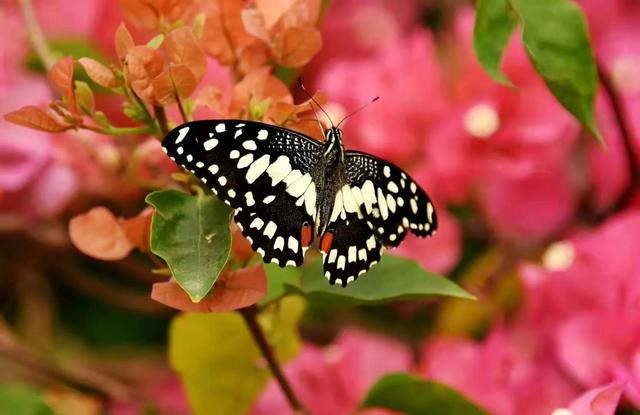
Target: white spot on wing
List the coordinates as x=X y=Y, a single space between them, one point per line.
x=341 y=262
x=257 y=168
x=430 y=212
x=392 y=187
x=332 y=256
x=298 y=188
x=292 y=243
x=386 y=171
x=279 y=169
x=245 y=161
x=222 y=180
x=182 y=133
x=382 y=203
x=310 y=199
x=268 y=199
x=352 y=253
x=369 y=195
x=348 y=200
x=257 y=223
x=250 y=145
x=262 y=135
x=391 y=203
x=234 y=154
x=414 y=206
x=213 y=168
x=371 y=243
x=279 y=243
x=210 y=144
x=362 y=254
x=220 y=128
x=250 y=200
x=270 y=229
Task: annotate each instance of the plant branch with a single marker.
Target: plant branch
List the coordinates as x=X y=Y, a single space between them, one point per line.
x=249 y=315
x=74 y=376
x=632 y=162
x=36 y=36
x=162 y=119
x=180 y=106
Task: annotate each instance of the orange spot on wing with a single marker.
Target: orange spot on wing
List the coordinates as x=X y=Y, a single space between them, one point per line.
x=327 y=240
x=306 y=236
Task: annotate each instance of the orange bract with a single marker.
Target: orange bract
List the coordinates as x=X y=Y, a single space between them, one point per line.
x=233 y=290
x=181 y=47
x=99 y=73
x=143 y=65
x=61 y=74
x=123 y=41
x=98 y=233
x=175 y=79
x=154 y=14
x=33 y=117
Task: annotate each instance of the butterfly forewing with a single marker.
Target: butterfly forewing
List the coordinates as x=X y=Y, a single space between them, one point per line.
x=262 y=172
x=389 y=200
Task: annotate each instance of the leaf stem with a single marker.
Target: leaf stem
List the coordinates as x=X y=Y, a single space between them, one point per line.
x=118 y=131
x=36 y=36
x=180 y=106
x=249 y=315
x=626 y=196
x=161 y=116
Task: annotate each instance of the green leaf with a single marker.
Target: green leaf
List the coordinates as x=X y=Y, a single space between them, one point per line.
x=413 y=396
x=278 y=279
x=557 y=41
x=191 y=233
x=394 y=278
x=495 y=22
x=22 y=400
x=85 y=98
x=222 y=369
x=156 y=42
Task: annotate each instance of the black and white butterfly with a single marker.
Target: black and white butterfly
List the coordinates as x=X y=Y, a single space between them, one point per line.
x=288 y=189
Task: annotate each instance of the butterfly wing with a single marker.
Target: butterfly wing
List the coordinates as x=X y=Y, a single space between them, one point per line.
x=353 y=248
x=390 y=201
x=261 y=171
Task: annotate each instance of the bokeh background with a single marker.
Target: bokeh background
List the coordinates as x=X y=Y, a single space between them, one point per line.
x=537 y=220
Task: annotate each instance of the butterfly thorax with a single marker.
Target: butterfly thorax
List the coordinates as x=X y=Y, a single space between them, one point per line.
x=330 y=175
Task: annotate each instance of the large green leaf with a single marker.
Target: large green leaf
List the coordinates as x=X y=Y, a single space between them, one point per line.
x=278 y=279
x=413 y=396
x=394 y=278
x=495 y=22
x=557 y=41
x=191 y=233
x=22 y=400
x=222 y=369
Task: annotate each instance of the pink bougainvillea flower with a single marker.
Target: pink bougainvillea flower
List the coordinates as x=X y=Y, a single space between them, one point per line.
x=333 y=380
x=602 y=400
x=500 y=374
x=583 y=301
x=437 y=254
x=353 y=20
x=395 y=126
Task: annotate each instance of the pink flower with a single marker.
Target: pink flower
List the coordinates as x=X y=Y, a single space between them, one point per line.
x=602 y=400
x=394 y=127
x=333 y=380
x=506 y=147
x=584 y=303
x=439 y=253
x=500 y=374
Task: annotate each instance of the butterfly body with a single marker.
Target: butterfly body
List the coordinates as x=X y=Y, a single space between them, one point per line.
x=288 y=189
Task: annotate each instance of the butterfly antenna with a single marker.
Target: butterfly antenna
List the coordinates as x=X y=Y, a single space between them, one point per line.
x=358 y=110
x=314 y=101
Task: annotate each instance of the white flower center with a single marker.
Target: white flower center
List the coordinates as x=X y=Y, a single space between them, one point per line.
x=559 y=256
x=481 y=121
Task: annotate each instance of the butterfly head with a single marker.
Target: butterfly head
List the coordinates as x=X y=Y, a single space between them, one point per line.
x=333 y=141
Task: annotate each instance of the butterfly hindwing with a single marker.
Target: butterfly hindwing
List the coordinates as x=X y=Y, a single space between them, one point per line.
x=262 y=172
x=354 y=249
x=388 y=199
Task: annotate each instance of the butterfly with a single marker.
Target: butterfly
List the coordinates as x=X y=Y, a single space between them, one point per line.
x=288 y=189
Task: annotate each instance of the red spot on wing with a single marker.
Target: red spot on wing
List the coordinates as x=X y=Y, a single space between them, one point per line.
x=306 y=235
x=327 y=240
